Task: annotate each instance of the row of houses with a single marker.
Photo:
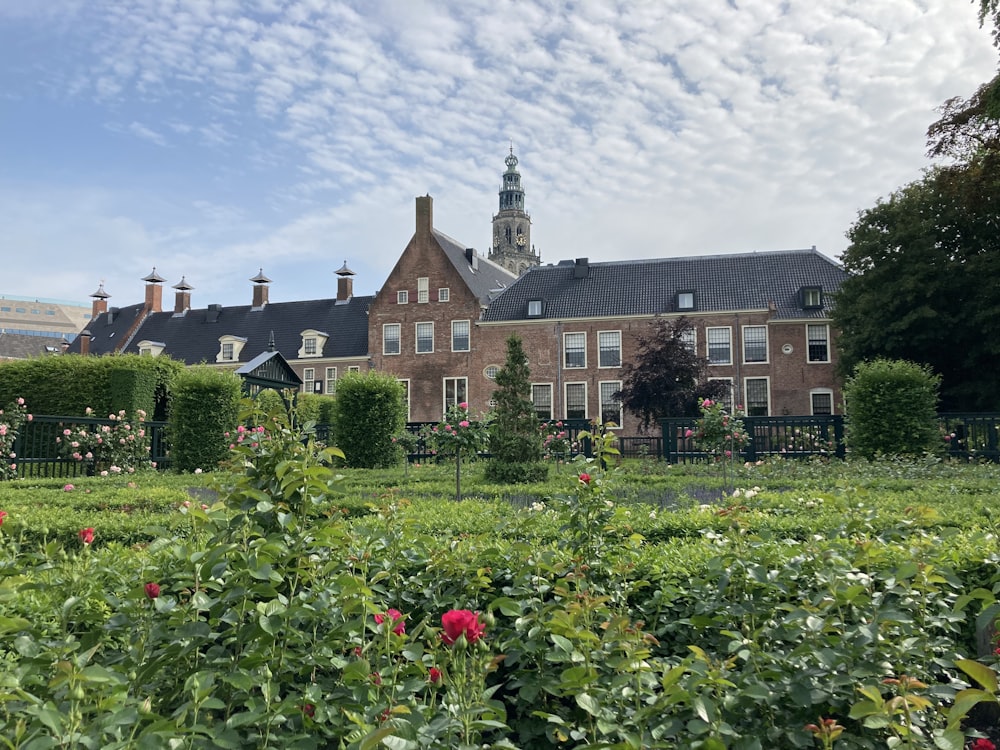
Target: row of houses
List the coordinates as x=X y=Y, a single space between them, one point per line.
x=440 y=321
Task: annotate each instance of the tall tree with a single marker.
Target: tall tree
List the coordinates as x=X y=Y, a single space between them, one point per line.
x=667 y=377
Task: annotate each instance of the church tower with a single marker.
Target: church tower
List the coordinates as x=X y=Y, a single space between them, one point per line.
x=511 y=246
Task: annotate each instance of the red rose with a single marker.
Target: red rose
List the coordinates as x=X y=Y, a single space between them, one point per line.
x=983 y=744
x=459 y=622
x=86 y=535
x=584 y=478
x=394 y=616
x=3 y=516
x=434 y=675
x=309 y=709
x=152 y=590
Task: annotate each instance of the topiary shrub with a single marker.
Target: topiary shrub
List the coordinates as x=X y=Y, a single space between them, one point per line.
x=204 y=406
x=892 y=409
x=368 y=411
x=515 y=439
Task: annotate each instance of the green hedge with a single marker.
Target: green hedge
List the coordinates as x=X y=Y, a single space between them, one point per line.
x=204 y=406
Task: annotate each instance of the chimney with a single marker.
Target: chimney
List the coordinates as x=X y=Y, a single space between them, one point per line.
x=112 y=314
x=85 y=336
x=100 y=304
x=581 y=269
x=260 y=282
x=182 y=298
x=154 y=292
x=425 y=215
x=345 y=284
x=212 y=313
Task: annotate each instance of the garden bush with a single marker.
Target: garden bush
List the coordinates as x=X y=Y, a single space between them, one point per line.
x=892 y=409
x=204 y=407
x=369 y=411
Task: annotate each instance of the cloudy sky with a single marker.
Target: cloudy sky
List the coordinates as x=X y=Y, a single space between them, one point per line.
x=211 y=138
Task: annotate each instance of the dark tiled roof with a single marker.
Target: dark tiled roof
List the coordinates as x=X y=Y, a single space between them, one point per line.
x=484 y=277
x=746 y=281
x=108 y=329
x=23 y=345
x=193 y=338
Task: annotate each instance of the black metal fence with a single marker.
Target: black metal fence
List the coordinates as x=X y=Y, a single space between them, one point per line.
x=38 y=450
x=792 y=437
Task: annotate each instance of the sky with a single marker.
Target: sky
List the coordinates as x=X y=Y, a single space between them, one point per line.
x=214 y=138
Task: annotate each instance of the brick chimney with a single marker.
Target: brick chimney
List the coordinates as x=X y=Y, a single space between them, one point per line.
x=154 y=292
x=425 y=215
x=100 y=304
x=345 y=284
x=85 y=337
x=182 y=298
x=260 y=282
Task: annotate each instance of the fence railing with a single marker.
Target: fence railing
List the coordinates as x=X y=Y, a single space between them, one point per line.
x=38 y=451
x=793 y=437
x=972 y=436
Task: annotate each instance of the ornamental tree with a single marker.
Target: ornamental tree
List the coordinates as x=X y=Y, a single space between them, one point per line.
x=666 y=378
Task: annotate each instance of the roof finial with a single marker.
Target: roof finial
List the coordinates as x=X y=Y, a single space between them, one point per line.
x=270 y=342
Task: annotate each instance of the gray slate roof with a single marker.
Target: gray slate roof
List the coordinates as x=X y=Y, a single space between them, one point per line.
x=194 y=336
x=745 y=281
x=484 y=277
x=24 y=345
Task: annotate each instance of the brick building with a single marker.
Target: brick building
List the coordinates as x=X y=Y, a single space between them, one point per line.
x=441 y=319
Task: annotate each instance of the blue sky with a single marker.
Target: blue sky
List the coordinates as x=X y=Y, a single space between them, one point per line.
x=210 y=138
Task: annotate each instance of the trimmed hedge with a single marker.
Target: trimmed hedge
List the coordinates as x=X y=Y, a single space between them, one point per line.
x=204 y=406
x=369 y=411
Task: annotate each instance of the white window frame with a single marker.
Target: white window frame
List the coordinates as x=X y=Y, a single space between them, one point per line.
x=683 y=304
x=729 y=345
x=417 y=339
x=444 y=294
x=534 y=308
x=312 y=343
x=398 y=327
x=746 y=396
x=543 y=387
x=230 y=348
x=354 y=368
x=586 y=411
x=308 y=379
x=826 y=340
x=403 y=297
x=601 y=349
x=565 y=351
x=461 y=394
x=423 y=289
x=468 y=335
x=331 y=380
x=690 y=338
x=766 y=342
x=151 y=348
x=730 y=396
x=821 y=392
x=617 y=386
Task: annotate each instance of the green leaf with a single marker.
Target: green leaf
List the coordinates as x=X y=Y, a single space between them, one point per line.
x=964 y=701
x=949 y=739
x=980 y=673
x=588 y=703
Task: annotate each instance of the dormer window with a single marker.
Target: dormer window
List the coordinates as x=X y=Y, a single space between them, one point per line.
x=811 y=297
x=534 y=308
x=230 y=348
x=151 y=348
x=685 y=300
x=312 y=343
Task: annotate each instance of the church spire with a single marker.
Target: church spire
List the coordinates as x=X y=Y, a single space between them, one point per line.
x=511 y=246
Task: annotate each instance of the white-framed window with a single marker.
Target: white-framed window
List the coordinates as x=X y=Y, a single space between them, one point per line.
x=312 y=343
x=534 y=308
x=402 y=297
x=460 y=335
x=720 y=350
x=685 y=300
x=541 y=397
x=456 y=391
x=425 y=338
x=406 y=396
x=151 y=348
x=490 y=371
x=390 y=338
x=423 y=289
x=609 y=348
x=611 y=406
x=229 y=348
x=354 y=368
x=576 y=400
x=331 y=380
x=821 y=401
x=444 y=294
x=308 y=379
x=754 y=344
x=811 y=297
x=818 y=343
x=757 y=396
x=689 y=337
x=574 y=350
x=727 y=394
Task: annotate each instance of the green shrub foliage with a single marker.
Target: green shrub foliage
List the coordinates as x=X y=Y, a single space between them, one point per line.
x=67 y=385
x=204 y=406
x=368 y=412
x=515 y=439
x=891 y=409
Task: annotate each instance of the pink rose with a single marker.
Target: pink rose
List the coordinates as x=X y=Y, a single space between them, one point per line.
x=395 y=617
x=461 y=622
